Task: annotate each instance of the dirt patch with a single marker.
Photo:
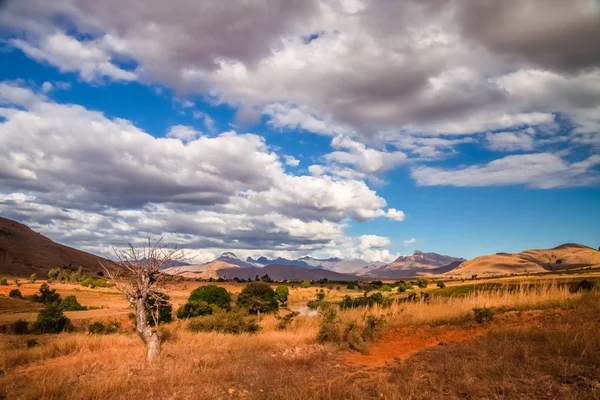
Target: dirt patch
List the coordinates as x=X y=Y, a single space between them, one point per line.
x=403 y=343
x=400 y=344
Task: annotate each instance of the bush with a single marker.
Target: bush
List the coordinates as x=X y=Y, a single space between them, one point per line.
x=441 y=284
x=483 y=314
x=401 y=288
x=353 y=336
x=212 y=295
x=329 y=325
x=53 y=273
x=47 y=295
x=258 y=297
x=18 y=282
x=234 y=322
x=385 y=288
x=15 y=294
x=50 y=320
x=583 y=285
x=282 y=292
x=99 y=328
x=32 y=278
x=70 y=303
x=19 y=327
x=158 y=309
x=305 y=284
x=350 y=286
x=100 y=282
x=422 y=283
x=194 y=309
x=3 y=282
x=88 y=282
x=286 y=320
x=374 y=326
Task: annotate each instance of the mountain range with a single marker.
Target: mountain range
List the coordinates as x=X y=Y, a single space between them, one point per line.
x=24 y=251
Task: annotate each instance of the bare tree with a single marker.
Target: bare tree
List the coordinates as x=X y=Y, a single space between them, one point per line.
x=139 y=273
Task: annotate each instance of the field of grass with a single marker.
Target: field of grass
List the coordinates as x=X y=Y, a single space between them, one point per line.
x=544 y=342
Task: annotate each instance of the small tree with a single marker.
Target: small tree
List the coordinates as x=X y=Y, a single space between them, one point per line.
x=385 y=288
x=213 y=295
x=143 y=270
x=258 y=297
x=3 y=281
x=50 y=320
x=15 y=294
x=282 y=292
x=47 y=295
x=32 y=278
x=305 y=284
x=53 y=273
x=441 y=284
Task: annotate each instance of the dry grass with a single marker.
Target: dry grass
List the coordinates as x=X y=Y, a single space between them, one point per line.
x=539 y=360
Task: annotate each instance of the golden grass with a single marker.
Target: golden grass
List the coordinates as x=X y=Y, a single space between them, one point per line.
x=283 y=364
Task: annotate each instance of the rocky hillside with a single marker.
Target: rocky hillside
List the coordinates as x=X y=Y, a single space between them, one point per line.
x=417 y=264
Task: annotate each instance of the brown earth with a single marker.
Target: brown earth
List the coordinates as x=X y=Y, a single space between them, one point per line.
x=564 y=257
x=24 y=251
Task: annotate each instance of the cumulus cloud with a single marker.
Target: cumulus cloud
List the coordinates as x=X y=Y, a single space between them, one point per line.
x=291 y=161
x=511 y=141
x=542 y=170
x=373 y=241
x=117 y=182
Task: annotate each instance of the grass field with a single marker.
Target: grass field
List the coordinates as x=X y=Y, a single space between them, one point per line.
x=543 y=342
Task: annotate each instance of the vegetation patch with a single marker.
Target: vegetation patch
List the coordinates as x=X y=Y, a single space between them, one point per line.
x=234 y=322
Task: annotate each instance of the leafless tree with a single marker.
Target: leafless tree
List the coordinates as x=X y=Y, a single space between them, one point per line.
x=139 y=273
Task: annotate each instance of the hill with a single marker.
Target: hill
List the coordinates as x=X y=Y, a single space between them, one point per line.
x=564 y=257
x=350 y=266
x=417 y=264
x=24 y=251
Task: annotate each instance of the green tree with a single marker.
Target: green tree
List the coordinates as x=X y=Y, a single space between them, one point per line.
x=441 y=284
x=3 y=281
x=70 y=303
x=50 y=320
x=158 y=309
x=32 y=278
x=47 y=295
x=282 y=292
x=305 y=284
x=385 y=288
x=212 y=295
x=258 y=297
x=15 y=294
x=194 y=309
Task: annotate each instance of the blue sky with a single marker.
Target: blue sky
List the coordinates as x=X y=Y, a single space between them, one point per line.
x=395 y=128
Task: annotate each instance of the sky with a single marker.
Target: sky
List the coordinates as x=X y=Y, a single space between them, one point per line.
x=334 y=128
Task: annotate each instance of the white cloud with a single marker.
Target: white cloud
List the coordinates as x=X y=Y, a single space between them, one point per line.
x=409 y=242
x=542 y=170
x=291 y=161
x=47 y=87
x=118 y=183
x=511 y=141
x=363 y=159
x=373 y=241
x=185 y=133
x=396 y=215
x=90 y=59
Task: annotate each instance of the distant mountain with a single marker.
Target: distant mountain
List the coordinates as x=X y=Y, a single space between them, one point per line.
x=280 y=272
x=231 y=258
x=417 y=264
x=23 y=252
x=335 y=264
x=564 y=257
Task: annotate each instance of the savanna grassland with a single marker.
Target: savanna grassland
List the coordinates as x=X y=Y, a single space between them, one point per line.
x=536 y=338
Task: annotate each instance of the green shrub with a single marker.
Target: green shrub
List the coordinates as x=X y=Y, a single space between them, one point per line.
x=234 y=322
x=88 y=282
x=441 y=284
x=15 y=294
x=350 y=286
x=282 y=292
x=70 y=303
x=53 y=273
x=213 y=295
x=285 y=321
x=258 y=297
x=158 y=309
x=32 y=278
x=483 y=314
x=354 y=338
x=374 y=326
x=305 y=284
x=47 y=295
x=194 y=309
x=385 y=288
x=3 y=281
x=50 y=320
x=422 y=283
x=401 y=287
x=19 y=327
x=329 y=325
x=100 y=328
x=18 y=283
x=100 y=282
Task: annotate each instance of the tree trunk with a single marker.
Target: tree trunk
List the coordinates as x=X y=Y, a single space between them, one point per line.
x=148 y=333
